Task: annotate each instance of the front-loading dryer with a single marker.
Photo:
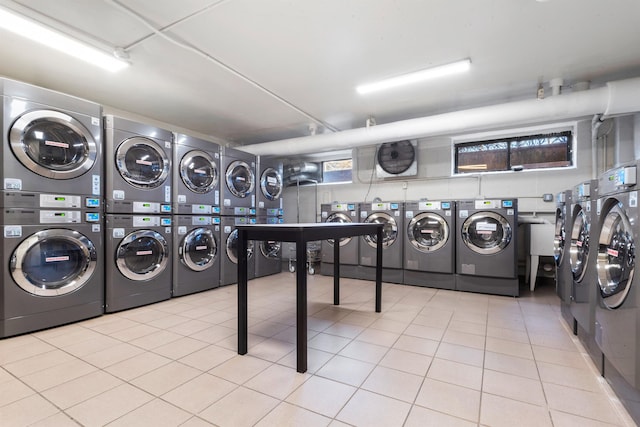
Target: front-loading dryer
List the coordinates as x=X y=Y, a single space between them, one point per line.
x=268 y=253
x=429 y=246
x=582 y=256
x=561 y=255
x=237 y=191
x=196 y=178
x=617 y=313
x=269 y=187
x=138 y=269
x=138 y=167
x=52 y=142
x=349 y=246
x=229 y=258
x=53 y=268
x=486 y=246
x=391 y=216
x=197 y=252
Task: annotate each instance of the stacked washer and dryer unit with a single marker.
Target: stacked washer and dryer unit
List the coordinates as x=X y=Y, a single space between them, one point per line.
x=51 y=166
x=268 y=253
x=196 y=215
x=138 y=238
x=237 y=207
x=617 y=305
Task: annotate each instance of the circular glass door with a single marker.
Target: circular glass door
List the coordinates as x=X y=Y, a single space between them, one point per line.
x=559 y=236
x=53 y=144
x=232 y=247
x=198 y=249
x=142 y=162
x=428 y=232
x=271 y=184
x=53 y=262
x=389 y=229
x=616 y=257
x=579 y=251
x=270 y=249
x=240 y=179
x=340 y=218
x=142 y=255
x=486 y=233
x=199 y=172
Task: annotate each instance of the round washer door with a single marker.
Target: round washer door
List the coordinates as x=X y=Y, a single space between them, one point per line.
x=198 y=249
x=616 y=257
x=271 y=184
x=240 y=179
x=579 y=251
x=559 y=238
x=142 y=162
x=199 y=172
x=486 y=233
x=270 y=249
x=53 y=144
x=341 y=218
x=389 y=229
x=142 y=255
x=428 y=232
x=53 y=262
x=232 y=247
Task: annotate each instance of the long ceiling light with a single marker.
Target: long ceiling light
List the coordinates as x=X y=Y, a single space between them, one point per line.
x=55 y=40
x=416 y=77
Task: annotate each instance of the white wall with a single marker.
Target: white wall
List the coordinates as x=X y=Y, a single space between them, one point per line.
x=435 y=181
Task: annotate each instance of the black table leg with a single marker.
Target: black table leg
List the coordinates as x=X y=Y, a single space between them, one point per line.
x=379 y=271
x=301 y=304
x=336 y=271
x=242 y=292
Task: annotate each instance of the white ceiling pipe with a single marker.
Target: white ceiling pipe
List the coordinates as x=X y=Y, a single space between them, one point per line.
x=618 y=97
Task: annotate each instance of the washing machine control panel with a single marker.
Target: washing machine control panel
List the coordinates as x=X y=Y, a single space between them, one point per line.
x=60 y=217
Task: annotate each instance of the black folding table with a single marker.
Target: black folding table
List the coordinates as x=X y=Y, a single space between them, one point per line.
x=301 y=234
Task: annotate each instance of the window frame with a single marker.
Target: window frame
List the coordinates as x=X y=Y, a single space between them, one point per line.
x=322 y=163
x=509 y=135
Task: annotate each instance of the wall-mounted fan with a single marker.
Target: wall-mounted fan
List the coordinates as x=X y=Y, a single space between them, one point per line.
x=397 y=159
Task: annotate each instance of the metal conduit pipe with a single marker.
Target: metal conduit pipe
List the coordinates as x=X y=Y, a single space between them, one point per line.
x=618 y=97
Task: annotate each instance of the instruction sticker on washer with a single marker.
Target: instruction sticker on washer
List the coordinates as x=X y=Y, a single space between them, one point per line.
x=182 y=230
x=95 y=185
x=167 y=193
x=463 y=213
x=95 y=228
x=485 y=227
x=633 y=199
x=227 y=229
x=12 y=231
x=12 y=184
x=118 y=233
x=118 y=195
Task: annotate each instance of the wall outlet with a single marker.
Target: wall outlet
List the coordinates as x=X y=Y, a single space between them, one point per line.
x=405 y=184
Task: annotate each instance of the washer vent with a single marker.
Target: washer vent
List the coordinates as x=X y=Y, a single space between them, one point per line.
x=397 y=159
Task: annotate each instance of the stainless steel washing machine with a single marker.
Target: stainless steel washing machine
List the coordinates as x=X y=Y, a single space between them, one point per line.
x=486 y=246
x=52 y=142
x=268 y=253
x=617 y=313
x=138 y=253
x=196 y=178
x=229 y=258
x=270 y=186
x=391 y=216
x=582 y=257
x=138 y=167
x=561 y=248
x=429 y=246
x=239 y=181
x=53 y=268
x=197 y=252
x=349 y=246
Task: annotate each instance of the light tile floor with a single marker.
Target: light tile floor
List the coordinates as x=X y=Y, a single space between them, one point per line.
x=431 y=358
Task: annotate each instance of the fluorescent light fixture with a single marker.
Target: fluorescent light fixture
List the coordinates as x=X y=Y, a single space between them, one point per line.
x=418 y=76
x=55 y=40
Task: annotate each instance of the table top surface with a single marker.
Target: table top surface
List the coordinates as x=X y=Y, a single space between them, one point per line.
x=312 y=225
x=307 y=231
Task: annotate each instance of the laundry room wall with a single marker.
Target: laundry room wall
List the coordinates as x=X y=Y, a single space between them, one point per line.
x=435 y=181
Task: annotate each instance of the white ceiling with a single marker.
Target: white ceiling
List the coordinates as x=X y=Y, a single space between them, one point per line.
x=250 y=71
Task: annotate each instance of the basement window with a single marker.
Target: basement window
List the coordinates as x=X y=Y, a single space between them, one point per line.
x=540 y=151
x=337 y=171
